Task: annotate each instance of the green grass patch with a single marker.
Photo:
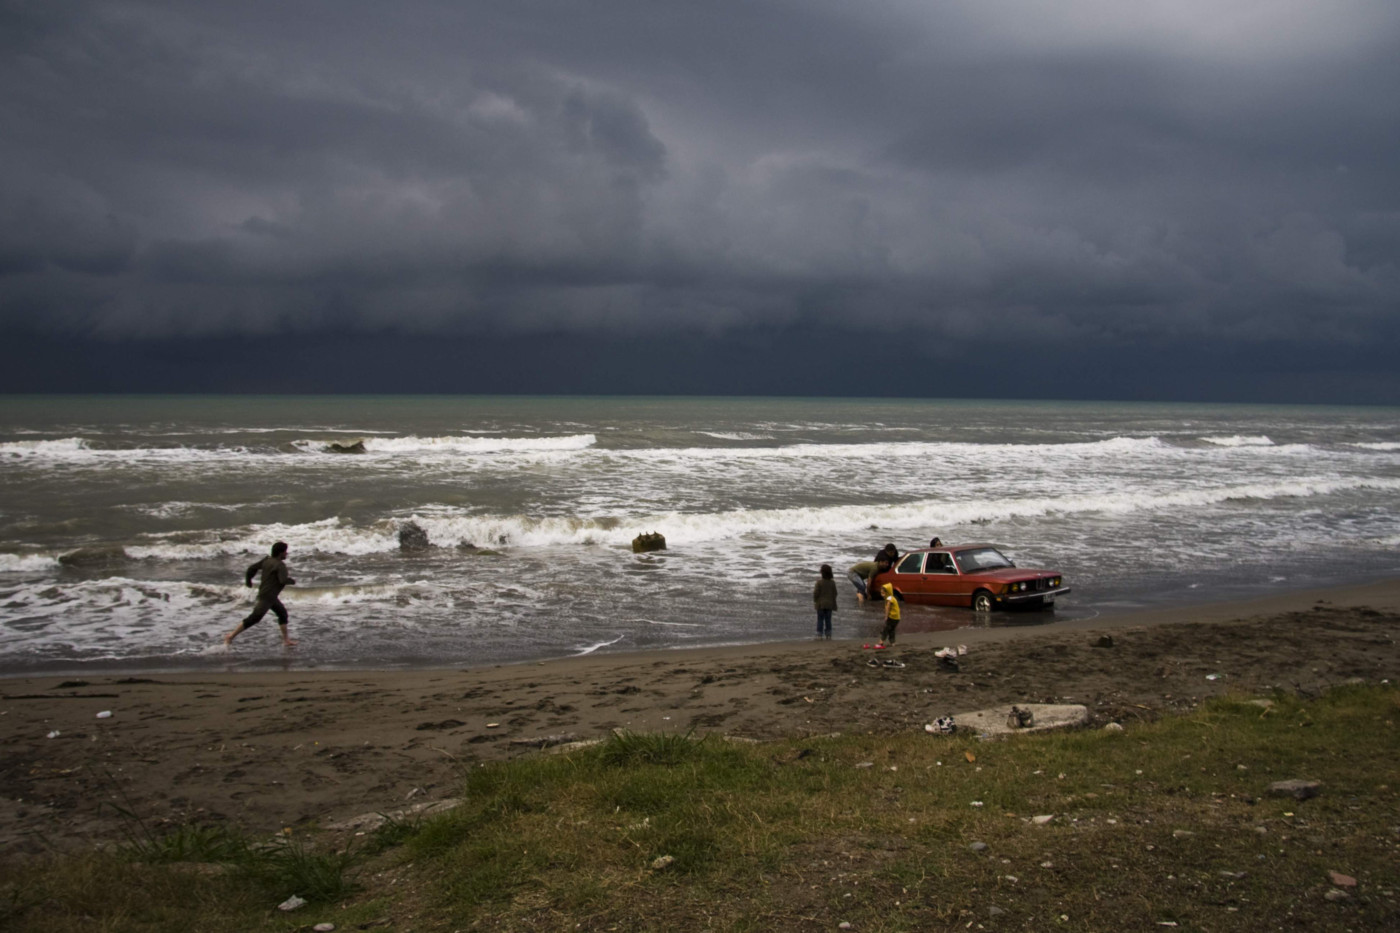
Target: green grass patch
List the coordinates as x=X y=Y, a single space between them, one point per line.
x=1167 y=822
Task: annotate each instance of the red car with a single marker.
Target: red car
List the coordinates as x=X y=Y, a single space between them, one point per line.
x=976 y=575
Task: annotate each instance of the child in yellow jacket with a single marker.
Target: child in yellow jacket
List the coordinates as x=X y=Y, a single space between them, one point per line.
x=891 y=615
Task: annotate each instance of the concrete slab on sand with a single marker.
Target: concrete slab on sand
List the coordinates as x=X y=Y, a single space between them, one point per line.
x=1047 y=716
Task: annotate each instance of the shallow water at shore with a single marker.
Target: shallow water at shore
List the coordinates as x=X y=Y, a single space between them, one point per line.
x=1138 y=505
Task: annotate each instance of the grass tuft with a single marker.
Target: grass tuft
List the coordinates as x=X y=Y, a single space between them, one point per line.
x=189 y=842
x=624 y=749
x=291 y=866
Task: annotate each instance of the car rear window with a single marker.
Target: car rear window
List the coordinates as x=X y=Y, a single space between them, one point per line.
x=911 y=563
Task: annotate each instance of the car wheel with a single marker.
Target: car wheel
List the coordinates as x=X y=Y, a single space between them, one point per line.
x=981 y=601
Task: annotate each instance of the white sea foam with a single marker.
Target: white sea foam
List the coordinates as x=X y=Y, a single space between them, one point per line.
x=594 y=647
x=177 y=509
x=447 y=528
x=683 y=528
x=80 y=451
x=118 y=608
x=736 y=435
x=77 y=450
x=1240 y=440
x=27 y=563
x=463 y=444
x=329 y=536
x=400 y=593
x=356 y=432
x=580 y=450
x=1377 y=445
x=931 y=450
x=62 y=448
x=115 y=597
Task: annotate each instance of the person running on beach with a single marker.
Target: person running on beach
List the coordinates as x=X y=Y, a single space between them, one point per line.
x=824 y=598
x=274 y=578
x=891 y=615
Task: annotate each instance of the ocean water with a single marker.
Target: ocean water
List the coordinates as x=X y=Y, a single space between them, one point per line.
x=1138 y=505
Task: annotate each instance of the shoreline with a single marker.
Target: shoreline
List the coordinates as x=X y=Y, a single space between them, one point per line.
x=1370 y=592
x=272 y=749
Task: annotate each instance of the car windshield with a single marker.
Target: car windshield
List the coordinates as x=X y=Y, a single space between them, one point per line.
x=981 y=558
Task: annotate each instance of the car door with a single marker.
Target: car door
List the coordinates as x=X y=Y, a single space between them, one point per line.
x=908 y=578
x=944 y=585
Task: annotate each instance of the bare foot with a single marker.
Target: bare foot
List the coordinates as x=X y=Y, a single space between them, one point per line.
x=228 y=639
x=290 y=643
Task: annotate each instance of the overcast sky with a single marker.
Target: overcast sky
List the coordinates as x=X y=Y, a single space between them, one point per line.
x=1080 y=198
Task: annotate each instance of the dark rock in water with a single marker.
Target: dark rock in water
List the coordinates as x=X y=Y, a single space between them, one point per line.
x=345 y=447
x=466 y=546
x=412 y=537
x=93 y=556
x=648 y=542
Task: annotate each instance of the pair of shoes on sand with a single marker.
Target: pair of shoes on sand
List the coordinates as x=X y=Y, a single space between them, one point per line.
x=884 y=662
x=943 y=725
x=951 y=652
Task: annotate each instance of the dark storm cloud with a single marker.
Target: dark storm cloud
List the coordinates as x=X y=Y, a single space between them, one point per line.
x=1114 y=178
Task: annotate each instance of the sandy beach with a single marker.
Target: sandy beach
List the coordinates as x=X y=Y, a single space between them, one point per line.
x=273 y=750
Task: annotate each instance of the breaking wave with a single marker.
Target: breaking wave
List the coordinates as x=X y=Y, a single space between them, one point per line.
x=63 y=448
x=26 y=563
x=465 y=444
x=333 y=536
x=1240 y=440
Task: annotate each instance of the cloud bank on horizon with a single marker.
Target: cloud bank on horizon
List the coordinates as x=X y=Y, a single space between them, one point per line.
x=1086 y=173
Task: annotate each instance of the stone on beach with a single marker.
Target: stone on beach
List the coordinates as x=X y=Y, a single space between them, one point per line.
x=1047 y=716
x=368 y=821
x=653 y=541
x=412 y=537
x=547 y=741
x=1297 y=789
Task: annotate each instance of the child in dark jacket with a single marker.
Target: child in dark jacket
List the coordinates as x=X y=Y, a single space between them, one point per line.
x=824 y=598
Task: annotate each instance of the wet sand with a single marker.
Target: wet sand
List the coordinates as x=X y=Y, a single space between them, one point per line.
x=270 y=750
